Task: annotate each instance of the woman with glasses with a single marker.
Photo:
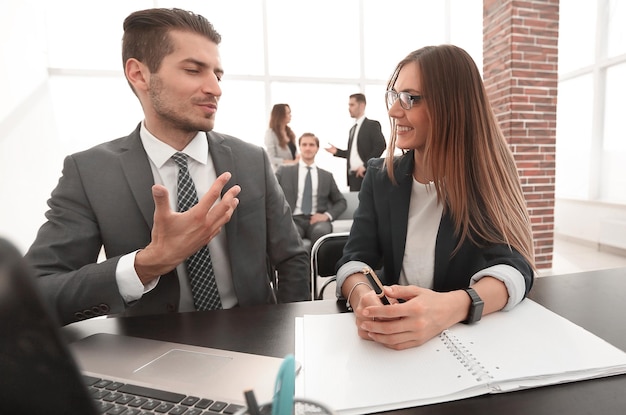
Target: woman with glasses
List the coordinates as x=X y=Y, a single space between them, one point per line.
x=280 y=140
x=445 y=223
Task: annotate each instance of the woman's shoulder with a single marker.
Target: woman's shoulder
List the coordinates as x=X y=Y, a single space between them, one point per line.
x=400 y=162
x=270 y=137
x=376 y=163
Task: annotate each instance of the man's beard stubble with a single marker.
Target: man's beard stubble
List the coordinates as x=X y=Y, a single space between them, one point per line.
x=170 y=113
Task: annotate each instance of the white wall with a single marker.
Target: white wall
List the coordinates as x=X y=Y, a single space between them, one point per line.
x=22 y=52
x=63 y=89
x=598 y=224
x=27 y=127
x=33 y=141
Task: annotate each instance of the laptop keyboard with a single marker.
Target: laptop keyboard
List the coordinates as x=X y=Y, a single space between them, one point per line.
x=115 y=398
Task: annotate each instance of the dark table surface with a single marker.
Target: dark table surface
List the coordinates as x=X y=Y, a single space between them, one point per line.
x=595 y=300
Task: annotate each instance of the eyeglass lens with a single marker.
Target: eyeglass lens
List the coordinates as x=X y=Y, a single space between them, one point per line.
x=405 y=99
x=392 y=97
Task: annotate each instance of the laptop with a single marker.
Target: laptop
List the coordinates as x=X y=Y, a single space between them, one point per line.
x=41 y=373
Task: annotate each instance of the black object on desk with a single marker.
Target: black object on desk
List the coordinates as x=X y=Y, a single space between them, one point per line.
x=253 y=406
x=37 y=372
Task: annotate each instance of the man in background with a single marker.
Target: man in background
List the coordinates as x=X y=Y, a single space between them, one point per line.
x=311 y=192
x=365 y=141
x=204 y=247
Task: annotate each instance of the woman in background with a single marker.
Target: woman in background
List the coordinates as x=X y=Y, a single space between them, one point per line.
x=280 y=140
x=447 y=219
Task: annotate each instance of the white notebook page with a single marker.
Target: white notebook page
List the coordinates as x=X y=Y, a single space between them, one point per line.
x=529 y=346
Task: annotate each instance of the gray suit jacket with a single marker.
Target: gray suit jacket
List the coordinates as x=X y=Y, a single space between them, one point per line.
x=329 y=198
x=104 y=200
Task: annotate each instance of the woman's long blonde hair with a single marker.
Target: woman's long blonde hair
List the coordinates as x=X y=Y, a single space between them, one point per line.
x=472 y=167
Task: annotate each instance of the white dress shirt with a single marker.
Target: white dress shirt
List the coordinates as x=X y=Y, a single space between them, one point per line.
x=165 y=172
x=355 y=159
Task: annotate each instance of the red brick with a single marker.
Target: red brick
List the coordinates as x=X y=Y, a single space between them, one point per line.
x=520 y=53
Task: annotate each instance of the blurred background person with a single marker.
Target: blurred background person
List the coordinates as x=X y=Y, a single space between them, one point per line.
x=316 y=204
x=280 y=140
x=365 y=141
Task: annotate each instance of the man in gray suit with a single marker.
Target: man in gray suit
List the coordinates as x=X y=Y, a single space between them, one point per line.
x=313 y=220
x=115 y=197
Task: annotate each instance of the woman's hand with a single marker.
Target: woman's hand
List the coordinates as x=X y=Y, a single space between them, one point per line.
x=423 y=315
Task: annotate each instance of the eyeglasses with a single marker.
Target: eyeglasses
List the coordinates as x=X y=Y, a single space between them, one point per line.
x=406 y=100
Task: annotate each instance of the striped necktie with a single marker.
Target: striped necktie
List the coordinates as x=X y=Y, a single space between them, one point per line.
x=199 y=266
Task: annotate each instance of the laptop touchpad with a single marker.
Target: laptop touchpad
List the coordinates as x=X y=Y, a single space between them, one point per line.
x=183 y=364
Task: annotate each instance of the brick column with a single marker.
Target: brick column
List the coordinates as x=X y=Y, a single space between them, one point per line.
x=520 y=45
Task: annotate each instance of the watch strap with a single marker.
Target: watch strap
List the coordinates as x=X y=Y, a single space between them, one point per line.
x=476 y=306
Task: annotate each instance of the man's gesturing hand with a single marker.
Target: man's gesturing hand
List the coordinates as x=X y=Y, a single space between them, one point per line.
x=178 y=235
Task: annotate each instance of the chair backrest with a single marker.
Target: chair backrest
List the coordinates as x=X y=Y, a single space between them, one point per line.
x=352 y=200
x=325 y=253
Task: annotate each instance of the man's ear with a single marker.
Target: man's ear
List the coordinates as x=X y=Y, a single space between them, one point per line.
x=137 y=74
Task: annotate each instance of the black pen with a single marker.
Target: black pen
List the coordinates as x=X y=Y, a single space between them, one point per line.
x=253 y=406
x=376 y=284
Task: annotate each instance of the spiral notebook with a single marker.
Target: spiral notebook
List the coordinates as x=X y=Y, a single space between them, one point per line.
x=527 y=347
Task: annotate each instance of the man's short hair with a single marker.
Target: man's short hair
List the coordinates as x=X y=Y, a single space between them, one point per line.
x=146 y=34
x=317 y=140
x=359 y=98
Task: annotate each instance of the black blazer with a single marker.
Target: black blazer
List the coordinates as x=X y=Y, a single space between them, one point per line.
x=371 y=143
x=378 y=234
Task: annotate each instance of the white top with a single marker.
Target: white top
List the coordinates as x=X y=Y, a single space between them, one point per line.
x=419 y=253
x=418 y=265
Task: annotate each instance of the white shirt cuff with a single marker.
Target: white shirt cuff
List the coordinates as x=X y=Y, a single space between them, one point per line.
x=347 y=269
x=128 y=282
x=510 y=276
x=512 y=279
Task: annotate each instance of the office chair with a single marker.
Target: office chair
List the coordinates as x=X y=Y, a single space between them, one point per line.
x=324 y=256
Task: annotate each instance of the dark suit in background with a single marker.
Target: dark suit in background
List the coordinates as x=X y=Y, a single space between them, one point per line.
x=104 y=200
x=370 y=144
x=329 y=200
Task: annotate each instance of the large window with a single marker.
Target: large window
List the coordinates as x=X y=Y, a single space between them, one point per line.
x=574 y=143
x=591 y=127
x=614 y=137
x=616 y=15
x=310 y=55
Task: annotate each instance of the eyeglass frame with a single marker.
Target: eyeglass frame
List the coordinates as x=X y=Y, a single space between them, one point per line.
x=396 y=96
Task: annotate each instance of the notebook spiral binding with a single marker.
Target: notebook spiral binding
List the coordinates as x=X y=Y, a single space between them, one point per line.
x=466 y=358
